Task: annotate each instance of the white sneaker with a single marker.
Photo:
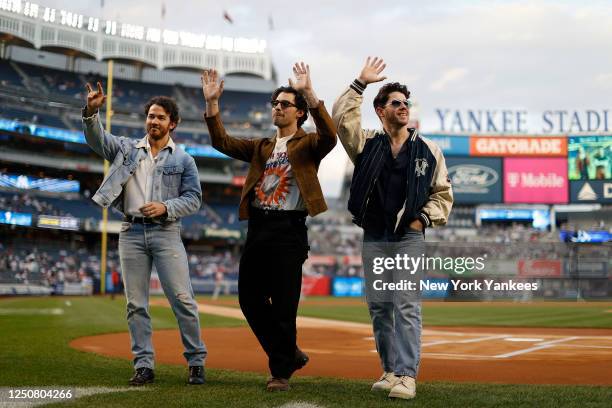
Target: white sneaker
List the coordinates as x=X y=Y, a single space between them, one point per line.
x=405 y=388
x=385 y=383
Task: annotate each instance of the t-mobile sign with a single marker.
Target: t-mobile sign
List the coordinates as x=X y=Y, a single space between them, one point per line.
x=537 y=181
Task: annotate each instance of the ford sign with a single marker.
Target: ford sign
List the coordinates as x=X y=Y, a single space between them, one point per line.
x=475 y=180
x=472 y=178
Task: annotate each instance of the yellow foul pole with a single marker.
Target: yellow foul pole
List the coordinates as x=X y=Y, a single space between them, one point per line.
x=109 y=114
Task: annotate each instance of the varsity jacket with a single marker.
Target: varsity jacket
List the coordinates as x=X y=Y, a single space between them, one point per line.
x=429 y=196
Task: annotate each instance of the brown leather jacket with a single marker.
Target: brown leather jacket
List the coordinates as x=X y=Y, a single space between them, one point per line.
x=304 y=150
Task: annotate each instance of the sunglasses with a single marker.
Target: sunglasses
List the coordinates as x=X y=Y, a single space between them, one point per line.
x=397 y=103
x=283 y=104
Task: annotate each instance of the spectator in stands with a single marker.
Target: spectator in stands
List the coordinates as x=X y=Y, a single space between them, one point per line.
x=154 y=183
x=281 y=189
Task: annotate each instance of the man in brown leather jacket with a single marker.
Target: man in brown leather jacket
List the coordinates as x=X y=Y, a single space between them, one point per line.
x=281 y=189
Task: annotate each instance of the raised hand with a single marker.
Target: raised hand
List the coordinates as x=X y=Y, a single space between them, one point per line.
x=370 y=72
x=302 y=81
x=95 y=99
x=212 y=88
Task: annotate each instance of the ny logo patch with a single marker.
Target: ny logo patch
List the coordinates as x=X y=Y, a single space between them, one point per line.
x=420 y=167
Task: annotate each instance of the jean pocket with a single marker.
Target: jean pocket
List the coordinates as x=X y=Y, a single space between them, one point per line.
x=125 y=226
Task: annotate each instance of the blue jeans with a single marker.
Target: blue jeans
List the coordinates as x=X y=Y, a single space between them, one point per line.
x=141 y=247
x=396 y=316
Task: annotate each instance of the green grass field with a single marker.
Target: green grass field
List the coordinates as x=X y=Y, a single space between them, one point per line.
x=34 y=352
x=500 y=314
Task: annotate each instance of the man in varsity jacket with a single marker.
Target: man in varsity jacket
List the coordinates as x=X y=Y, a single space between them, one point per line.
x=400 y=187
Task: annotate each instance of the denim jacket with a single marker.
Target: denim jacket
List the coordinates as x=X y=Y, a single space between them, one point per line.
x=176 y=180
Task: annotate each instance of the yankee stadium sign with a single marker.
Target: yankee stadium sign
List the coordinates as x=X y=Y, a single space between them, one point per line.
x=519 y=121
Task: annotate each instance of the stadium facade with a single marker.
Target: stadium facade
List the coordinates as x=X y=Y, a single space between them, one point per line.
x=509 y=189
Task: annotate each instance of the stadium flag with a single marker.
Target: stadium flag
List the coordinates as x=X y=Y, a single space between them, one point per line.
x=101 y=4
x=163 y=11
x=227 y=17
x=270 y=23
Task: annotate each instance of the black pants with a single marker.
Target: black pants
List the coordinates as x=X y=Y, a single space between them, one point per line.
x=270 y=283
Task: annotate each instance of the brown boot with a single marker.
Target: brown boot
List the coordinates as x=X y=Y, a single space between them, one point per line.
x=277 y=384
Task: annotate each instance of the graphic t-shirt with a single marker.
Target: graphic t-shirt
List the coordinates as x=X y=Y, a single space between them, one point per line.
x=277 y=188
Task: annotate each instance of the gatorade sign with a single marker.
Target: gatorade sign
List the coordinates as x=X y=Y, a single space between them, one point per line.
x=518 y=146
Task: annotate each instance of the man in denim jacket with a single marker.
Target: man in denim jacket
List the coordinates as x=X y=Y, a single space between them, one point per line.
x=153 y=183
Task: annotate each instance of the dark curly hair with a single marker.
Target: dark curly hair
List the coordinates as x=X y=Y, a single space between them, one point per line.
x=169 y=105
x=300 y=102
x=383 y=93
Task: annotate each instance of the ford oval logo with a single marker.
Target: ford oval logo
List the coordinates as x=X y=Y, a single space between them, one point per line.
x=472 y=175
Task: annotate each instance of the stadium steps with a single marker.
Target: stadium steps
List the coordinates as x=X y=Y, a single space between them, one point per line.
x=185 y=102
x=65 y=118
x=213 y=214
x=32 y=84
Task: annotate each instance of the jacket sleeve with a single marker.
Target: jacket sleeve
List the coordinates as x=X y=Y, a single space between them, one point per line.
x=437 y=209
x=100 y=141
x=325 y=139
x=190 y=194
x=240 y=149
x=346 y=114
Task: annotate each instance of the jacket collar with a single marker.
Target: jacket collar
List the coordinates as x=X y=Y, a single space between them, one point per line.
x=413 y=133
x=144 y=142
x=299 y=134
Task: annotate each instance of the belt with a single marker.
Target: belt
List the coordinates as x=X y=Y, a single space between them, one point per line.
x=139 y=220
x=258 y=213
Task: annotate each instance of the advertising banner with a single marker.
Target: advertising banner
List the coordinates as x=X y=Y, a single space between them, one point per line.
x=475 y=180
x=539 y=268
x=316 y=285
x=54 y=222
x=590 y=157
x=451 y=145
x=529 y=146
x=15 y=218
x=35 y=183
x=347 y=286
x=537 y=181
x=591 y=191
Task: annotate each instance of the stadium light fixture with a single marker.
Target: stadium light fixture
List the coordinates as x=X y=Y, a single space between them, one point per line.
x=132 y=31
x=213 y=42
x=11 y=5
x=49 y=15
x=153 y=35
x=249 y=45
x=93 y=24
x=111 y=27
x=192 y=40
x=228 y=44
x=170 y=37
x=71 y=19
x=31 y=10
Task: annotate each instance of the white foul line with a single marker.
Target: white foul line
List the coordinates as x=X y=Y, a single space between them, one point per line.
x=540 y=346
x=474 y=340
